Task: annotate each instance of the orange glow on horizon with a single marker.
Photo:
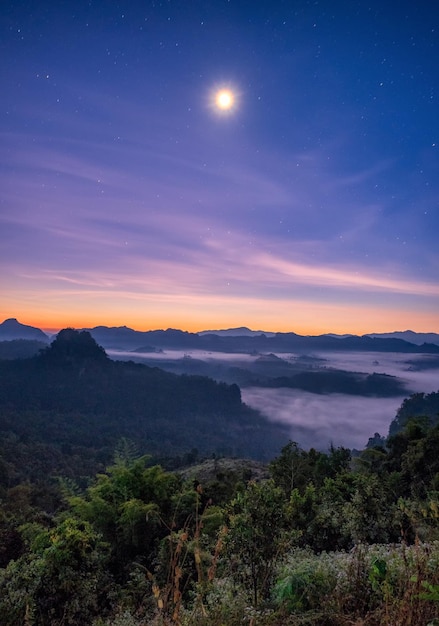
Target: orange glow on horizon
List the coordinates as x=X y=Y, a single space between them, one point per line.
x=308 y=319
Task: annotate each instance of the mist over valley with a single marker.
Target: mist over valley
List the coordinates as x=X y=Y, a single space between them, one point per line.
x=330 y=389
x=316 y=419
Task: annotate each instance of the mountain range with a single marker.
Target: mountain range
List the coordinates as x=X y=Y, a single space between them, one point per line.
x=236 y=340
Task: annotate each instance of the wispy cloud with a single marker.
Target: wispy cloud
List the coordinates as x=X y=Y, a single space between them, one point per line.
x=356 y=279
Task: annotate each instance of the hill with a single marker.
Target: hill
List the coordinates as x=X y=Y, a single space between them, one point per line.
x=20 y=348
x=12 y=329
x=72 y=398
x=419 y=405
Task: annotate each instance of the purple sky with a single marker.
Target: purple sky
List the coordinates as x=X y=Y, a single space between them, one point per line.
x=126 y=198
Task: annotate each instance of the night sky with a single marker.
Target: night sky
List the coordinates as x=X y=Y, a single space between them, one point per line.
x=128 y=196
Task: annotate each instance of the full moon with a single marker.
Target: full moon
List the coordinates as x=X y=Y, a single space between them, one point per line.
x=224 y=99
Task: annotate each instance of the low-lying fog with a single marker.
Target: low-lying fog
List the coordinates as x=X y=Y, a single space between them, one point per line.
x=318 y=420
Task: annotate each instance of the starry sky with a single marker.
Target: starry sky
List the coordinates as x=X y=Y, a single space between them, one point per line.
x=128 y=197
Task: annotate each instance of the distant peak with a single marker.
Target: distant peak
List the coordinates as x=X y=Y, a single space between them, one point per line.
x=11 y=328
x=241 y=331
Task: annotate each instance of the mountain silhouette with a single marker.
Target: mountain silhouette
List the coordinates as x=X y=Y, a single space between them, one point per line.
x=12 y=329
x=171 y=339
x=232 y=341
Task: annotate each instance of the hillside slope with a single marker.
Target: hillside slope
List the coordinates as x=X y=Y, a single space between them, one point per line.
x=73 y=397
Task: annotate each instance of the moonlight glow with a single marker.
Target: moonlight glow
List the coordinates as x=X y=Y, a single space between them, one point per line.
x=224 y=99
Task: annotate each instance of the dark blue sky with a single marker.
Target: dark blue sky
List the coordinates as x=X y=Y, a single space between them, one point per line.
x=127 y=197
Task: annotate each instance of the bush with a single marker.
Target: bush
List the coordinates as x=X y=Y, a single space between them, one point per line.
x=387 y=584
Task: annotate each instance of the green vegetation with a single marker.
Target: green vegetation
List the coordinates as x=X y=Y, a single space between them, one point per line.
x=418 y=405
x=63 y=412
x=117 y=539
x=323 y=540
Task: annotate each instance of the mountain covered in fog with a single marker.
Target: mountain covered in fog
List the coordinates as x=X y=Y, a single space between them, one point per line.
x=267 y=368
x=71 y=394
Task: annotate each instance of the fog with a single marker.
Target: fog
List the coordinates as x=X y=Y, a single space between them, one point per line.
x=318 y=420
x=168 y=355
x=392 y=363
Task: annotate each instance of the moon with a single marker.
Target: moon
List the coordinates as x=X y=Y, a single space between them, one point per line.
x=224 y=99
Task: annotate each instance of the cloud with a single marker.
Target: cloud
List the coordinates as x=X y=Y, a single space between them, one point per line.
x=354 y=278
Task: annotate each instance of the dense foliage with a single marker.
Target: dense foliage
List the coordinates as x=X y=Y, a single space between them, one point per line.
x=316 y=538
x=322 y=540
x=418 y=405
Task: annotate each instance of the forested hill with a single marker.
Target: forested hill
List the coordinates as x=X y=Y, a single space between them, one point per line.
x=419 y=405
x=73 y=397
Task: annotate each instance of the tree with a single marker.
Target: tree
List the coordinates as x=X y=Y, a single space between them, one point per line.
x=418 y=405
x=257 y=537
x=131 y=506
x=296 y=468
x=368 y=517
x=290 y=470
x=61 y=581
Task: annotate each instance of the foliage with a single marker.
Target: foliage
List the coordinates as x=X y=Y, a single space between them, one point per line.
x=296 y=468
x=339 y=381
x=130 y=506
x=418 y=405
x=257 y=536
x=315 y=538
x=383 y=584
x=71 y=347
x=60 y=581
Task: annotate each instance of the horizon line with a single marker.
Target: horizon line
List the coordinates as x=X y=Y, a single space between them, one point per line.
x=56 y=330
